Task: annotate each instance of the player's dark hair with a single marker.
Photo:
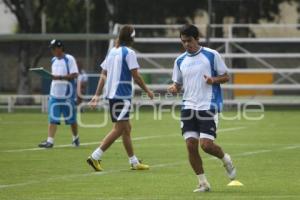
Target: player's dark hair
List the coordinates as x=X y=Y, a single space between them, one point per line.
x=190 y=30
x=126 y=36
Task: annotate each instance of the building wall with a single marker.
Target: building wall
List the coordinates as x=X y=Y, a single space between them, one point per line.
x=8 y=21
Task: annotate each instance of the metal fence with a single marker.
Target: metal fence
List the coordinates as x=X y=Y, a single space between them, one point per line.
x=252 y=54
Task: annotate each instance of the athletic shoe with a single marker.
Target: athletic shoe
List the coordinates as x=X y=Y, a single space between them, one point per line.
x=45 y=144
x=95 y=164
x=139 y=166
x=204 y=187
x=76 y=142
x=230 y=169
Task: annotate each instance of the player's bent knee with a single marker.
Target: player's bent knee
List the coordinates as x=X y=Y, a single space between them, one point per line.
x=206 y=145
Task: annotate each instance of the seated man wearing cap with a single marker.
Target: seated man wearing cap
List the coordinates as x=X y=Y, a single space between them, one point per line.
x=62 y=93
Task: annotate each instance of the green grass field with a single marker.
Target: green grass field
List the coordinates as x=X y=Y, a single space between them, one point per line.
x=266 y=154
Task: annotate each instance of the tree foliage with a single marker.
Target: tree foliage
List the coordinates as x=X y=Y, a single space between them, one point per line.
x=69 y=16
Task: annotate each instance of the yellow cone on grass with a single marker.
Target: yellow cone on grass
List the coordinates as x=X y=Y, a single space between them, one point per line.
x=235 y=183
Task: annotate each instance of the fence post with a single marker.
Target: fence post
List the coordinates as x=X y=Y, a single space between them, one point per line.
x=9 y=104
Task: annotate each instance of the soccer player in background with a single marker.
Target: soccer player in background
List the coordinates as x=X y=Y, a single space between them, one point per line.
x=62 y=93
x=118 y=69
x=200 y=71
x=82 y=83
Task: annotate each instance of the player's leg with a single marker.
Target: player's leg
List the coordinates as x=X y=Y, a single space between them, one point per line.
x=50 y=139
x=211 y=148
x=74 y=129
x=110 y=138
x=54 y=111
x=126 y=138
x=75 y=135
x=52 y=130
x=207 y=127
x=119 y=112
x=191 y=135
x=133 y=160
x=70 y=114
x=117 y=107
x=113 y=135
x=193 y=154
x=192 y=144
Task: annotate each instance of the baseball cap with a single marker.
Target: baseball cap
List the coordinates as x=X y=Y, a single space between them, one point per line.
x=56 y=43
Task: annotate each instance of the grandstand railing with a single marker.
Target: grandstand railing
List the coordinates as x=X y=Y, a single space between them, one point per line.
x=232 y=40
x=8 y=102
x=229 y=28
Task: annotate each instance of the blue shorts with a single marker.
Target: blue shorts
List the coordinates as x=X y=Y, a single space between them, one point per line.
x=58 y=107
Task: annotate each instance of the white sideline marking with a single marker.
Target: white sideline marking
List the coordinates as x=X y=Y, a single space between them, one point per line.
x=133 y=139
x=253 y=152
x=19 y=184
x=82 y=175
x=292 y=147
x=153 y=166
x=212 y=197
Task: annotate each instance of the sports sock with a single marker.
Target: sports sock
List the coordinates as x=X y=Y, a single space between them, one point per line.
x=133 y=160
x=50 y=140
x=97 y=154
x=226 y=159
x=202 y=178
x=75 y=137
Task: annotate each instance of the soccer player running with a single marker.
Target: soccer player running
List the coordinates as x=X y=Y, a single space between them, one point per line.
x=62 y=93
x=118 y=69
x=200 y=71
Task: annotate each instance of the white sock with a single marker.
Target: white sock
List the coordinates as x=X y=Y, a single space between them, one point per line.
x=133 y=160
x=75 y=137
x=226 y=159
x=50 y=140
x=97 y=154
x=202 y=178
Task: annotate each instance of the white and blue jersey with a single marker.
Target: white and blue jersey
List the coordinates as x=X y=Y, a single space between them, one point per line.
x=118 y=63
x=189 y=71
x=62 y=92
x=63 y=89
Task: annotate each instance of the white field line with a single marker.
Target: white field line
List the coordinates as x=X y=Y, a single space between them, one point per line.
x=23 y=122
x=19 y=184
x=254 y=152
x=260 y=144
x=134 y=139
x=211 y=197
x=83 y=175
x=292 y=147
x=67 y=177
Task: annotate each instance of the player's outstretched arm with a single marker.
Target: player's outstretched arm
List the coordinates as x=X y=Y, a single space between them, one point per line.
x=94 y=101
x=139 y=80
